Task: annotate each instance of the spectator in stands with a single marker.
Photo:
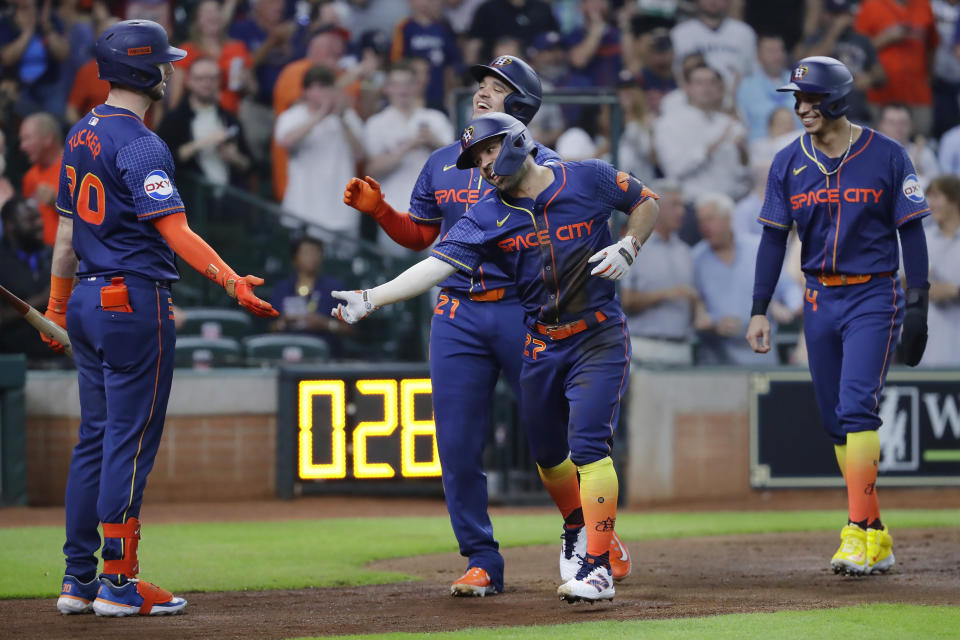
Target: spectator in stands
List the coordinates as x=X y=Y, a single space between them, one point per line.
x=747 y=209
x=425 y=34
x=376 y=15
x=659 y=296
x=949 y=154
x=790 y=19
x=459 y=13
x=25 y=265
x=781 y=130
x=654 y=52
x=303 y=298
x=678 y=97
x=79 y=31
x=946 y=67
x=32 y=44
x=7 y=190
x=635 y=150
x=728 y=45
x=757 y=96
x=895 y=122
x=549 y=57
x=269 y=39
x=599 y=47
x=700 y=146
x=834 y=36
x=323 y=136
x=399 y=140
x=203 y=137
x=524 y=19
x=943 y=246
x=208 y=38
x=88 y=90
x=723 y=264
x=904 y=35
x=41 y=140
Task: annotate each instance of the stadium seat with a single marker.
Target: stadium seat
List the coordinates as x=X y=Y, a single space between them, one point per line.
x=285 y=348
x=197 y=352
x=211 y=322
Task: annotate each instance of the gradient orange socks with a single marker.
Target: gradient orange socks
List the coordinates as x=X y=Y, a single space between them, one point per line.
x=598 y=495
x=562 y=485
x=862 y=460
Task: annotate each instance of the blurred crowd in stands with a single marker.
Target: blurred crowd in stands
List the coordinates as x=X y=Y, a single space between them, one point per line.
x=290 y=98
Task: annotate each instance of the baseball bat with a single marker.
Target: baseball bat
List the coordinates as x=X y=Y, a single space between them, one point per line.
x=43 y=324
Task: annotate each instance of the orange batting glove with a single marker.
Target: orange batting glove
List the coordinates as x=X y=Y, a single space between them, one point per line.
x=60 y=290
x=242 y=290
x=364 y=195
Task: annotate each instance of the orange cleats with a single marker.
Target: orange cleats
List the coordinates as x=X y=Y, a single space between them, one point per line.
x=475 y=582
x=620 y=564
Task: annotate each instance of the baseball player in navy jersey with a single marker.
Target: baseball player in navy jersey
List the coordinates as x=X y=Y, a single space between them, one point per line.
x=121 y=222
x=543 y=227
x=851 y=191
x=475 y=333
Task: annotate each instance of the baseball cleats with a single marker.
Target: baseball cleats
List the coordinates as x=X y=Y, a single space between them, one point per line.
x=851 y=557
x=572 y=550
x=136 y=597
x=879 y=550
x=76 y=596
x=620 y=564
x=592 y=583
x=475 y=582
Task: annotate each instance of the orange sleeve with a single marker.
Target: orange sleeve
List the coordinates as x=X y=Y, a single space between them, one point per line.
x=403 y=229
x=397 y=50
x=192 y=248
x=865 y=21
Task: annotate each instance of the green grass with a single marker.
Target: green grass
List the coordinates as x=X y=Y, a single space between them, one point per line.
x=333 y=552
x=884 y=621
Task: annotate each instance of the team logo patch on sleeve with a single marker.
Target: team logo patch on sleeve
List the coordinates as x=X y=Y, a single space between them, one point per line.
x=911 y=188
x=623 y=180
x=157 y=185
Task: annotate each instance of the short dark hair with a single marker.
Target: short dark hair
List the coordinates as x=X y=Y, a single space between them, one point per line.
x=302 y=239
x=9 y=209
x=319 y=74
x=688 y=71
x=948 y=185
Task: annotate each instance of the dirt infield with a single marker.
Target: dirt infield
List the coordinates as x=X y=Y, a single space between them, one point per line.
x=671 y=578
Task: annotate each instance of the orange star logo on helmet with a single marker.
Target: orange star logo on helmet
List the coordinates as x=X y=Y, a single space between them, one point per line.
x=467 y=136
x=799 y=72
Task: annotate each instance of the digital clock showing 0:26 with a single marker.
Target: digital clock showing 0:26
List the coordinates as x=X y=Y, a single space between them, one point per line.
x=366 y=429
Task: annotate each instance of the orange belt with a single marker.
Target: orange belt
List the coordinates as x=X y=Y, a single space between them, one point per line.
x=490 y=295
x=842 y=279
x=561 y=331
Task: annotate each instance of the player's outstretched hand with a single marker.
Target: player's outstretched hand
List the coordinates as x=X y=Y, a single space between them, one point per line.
x=758 y=334
x=357 y=306
x=914 y=336
x=242 y=290
x=363 y=195
x=616 y=259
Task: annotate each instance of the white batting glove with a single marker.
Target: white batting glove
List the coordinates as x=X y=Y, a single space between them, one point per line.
x=357 y=306
x=616 y=259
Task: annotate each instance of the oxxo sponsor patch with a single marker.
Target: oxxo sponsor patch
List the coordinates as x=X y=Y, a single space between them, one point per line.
x=911 y=188
x=157 y=185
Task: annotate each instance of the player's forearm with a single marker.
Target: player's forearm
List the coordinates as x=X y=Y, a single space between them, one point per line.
x=770 y=255
x=916 y=262
x=404 y=230
x=642 y=220
x=416 y=280
x=64 y=261
x=192 y=248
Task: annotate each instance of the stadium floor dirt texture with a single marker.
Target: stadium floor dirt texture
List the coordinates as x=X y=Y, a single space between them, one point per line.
x=671 y=579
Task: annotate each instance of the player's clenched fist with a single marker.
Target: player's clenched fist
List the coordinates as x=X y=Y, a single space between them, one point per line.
x=363 y=195
x=357 y=307
x=616 y=259
x=758 y=334
x=242 y=290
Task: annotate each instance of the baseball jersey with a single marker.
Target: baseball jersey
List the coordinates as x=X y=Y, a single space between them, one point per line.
x=847 y=221
x=544 y=244
x=443 y=194
x=115 y=178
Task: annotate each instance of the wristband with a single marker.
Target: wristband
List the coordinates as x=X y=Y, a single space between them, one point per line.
x=759 y=307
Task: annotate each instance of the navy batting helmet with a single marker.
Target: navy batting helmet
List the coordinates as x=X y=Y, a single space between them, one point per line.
x=517 y=142
x=527 y=94
x=827 y=76
x=128 y=54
